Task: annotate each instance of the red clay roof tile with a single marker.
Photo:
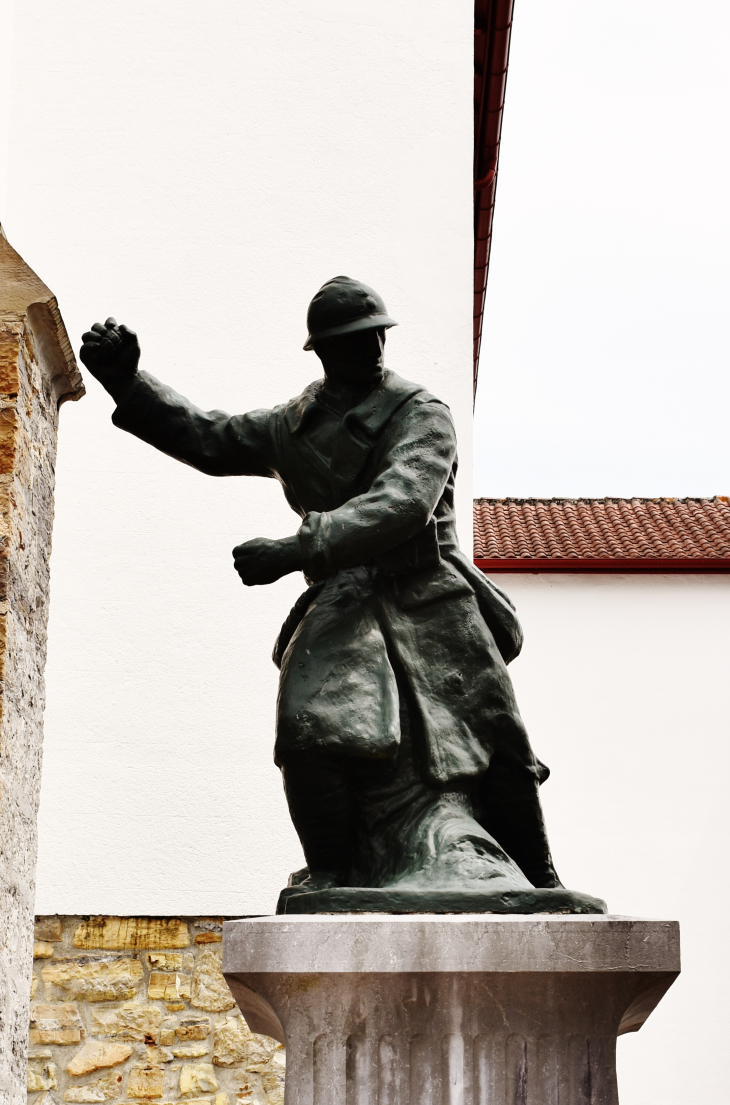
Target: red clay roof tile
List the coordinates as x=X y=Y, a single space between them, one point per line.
x=602 y=529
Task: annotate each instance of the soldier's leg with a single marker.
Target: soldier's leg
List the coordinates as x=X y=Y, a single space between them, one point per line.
x=321 y=807
x=510 y=810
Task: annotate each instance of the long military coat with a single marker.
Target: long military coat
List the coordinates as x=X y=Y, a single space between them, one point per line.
x=394 y=610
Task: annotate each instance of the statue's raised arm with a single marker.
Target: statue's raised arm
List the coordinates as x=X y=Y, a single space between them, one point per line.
x=211 y=441
x=214 y=442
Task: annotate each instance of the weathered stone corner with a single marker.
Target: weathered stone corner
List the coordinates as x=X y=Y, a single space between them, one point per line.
x=28 y=308
x=38 y=372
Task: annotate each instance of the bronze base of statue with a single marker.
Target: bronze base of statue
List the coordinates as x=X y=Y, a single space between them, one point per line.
x=358 y=899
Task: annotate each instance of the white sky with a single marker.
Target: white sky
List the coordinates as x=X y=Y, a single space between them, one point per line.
x=605 y=356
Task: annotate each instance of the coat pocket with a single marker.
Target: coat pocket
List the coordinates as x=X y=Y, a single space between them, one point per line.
x=337 y=692
x=292 y=621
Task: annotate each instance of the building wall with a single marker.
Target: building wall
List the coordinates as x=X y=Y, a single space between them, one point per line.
x=623 y=686
x=198 y=172
x=136 y=1009
x=28 y=426
x=36 y=370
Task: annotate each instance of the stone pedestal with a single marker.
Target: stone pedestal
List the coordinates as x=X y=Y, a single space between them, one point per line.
x=449 y=1010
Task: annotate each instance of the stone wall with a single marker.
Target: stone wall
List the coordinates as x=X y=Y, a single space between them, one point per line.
x=135 y=1009
x=37 y=372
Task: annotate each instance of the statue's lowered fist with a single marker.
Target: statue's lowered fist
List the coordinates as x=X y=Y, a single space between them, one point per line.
x=111 y=353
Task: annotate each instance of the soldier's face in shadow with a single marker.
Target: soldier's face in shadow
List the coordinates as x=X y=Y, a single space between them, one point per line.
x=353 y=359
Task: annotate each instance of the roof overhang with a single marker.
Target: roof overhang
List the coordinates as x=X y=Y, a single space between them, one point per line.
x=492 y=30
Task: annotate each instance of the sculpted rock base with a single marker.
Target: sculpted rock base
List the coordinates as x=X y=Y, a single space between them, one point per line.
x=467 y=1010
x=295 y=899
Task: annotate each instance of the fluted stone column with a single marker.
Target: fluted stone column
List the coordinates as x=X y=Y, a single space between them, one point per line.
x=37 y=373
x=449 y=1010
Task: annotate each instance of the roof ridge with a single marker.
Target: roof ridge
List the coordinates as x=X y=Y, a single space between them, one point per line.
x=605 y=499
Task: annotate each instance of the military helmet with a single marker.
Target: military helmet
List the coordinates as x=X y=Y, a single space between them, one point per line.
x=342 y=306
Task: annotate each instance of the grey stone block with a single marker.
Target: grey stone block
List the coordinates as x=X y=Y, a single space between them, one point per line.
x=464 y=1010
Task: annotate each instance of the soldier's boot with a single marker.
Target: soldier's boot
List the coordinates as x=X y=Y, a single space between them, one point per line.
x=510 y=809
x=322 y=809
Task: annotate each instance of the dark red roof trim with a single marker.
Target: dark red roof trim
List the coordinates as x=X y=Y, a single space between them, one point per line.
x=618 y=565
x=602 y=535
x=492 y=28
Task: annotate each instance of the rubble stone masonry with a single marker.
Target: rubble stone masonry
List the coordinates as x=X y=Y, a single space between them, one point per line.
x=131 y=1010
x=37 y=372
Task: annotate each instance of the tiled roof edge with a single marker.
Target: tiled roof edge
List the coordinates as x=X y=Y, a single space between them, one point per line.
x=610 y=534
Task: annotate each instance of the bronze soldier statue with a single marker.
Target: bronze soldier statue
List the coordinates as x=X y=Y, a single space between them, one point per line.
x=407 y=768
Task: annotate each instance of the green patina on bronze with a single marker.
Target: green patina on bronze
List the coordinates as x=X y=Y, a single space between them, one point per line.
x=407 y=768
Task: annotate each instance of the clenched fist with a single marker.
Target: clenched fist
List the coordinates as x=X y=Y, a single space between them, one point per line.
x=111 y=353
x=263 y=561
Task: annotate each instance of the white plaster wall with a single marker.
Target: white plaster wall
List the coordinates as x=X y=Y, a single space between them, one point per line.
x=606 y=369
x=6 y=41
x=198 y=170
x=623 y=685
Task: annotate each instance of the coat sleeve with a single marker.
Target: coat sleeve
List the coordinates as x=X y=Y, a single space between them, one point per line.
x=211 y=441
x=416 y=464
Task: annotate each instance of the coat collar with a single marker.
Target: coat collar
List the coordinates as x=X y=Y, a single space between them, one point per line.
x=370 y=416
